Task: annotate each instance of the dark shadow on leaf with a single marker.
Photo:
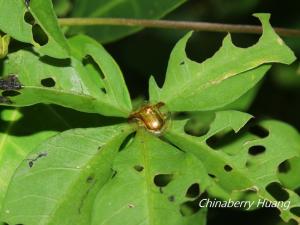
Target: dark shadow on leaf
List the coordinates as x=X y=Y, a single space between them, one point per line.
x=41 y=117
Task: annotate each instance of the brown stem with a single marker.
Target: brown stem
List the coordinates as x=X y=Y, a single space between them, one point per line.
x=169 y=24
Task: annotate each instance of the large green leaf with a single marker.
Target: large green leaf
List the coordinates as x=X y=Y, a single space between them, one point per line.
x=63 y=178
x=150 y=186
x=18 y=137
x=247 y=162
x=144 y=9
x=91 y=81
x=22 y=130
x=15 y=21
x=218 y=81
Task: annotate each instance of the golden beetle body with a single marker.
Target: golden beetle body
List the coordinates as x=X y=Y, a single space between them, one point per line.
x=151 y=117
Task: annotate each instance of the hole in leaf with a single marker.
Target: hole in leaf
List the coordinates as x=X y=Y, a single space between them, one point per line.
x=276 y=190
x=212 y=175
x=259 y=131
x=227 y=168
x=127 y=141
x=297 y=191
x=138 y=168
x=244 y=40
x=193 y=191
x=189 y=208
x=89 y=60
x=296 y=211
x=162 y=180
x=293 y=222
x=103 y=90
x=284 y=167
x=212 y=41
x=171 y=198
x=48 y=82
x=221 y=139
x=39 y=36
x=256 y=150
x=28 y=18
x=182 y=63
x=10 y=93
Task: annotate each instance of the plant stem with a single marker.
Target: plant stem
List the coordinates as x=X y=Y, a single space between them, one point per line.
x=169 y=24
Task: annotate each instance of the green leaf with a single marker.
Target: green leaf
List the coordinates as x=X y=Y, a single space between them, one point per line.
x=20 y=133
x=89 y=82
x=222 y=79
x=15 y=20
x=150 y=186
x=143 y=9
x=4 y=43
x=247 y=161
x=18 y=137
x=63 y=178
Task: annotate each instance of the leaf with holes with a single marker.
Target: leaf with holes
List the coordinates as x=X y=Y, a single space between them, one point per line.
x=19 y=134
x=90 y=81
x=143 y=9
x=74 y=165
x=246 y=161
x=153 y=183
x=36 y=24
x=222 y=79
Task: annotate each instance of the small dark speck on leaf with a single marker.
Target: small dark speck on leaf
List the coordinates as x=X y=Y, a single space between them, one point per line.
x=138 y=168
x=131 y=205
x=171 y=198
x=32 y=161
x=161 y=190
x=90 y=179
x=114 y=174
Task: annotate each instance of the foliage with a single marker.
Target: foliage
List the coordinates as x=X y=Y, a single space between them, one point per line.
x=58 y=166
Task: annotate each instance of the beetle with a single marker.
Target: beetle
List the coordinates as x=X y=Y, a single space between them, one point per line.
x=151 y=117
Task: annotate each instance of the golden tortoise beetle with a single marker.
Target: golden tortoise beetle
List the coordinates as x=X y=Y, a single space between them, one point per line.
x=153 y=118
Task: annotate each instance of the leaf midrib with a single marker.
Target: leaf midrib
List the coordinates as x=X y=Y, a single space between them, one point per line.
x=74 y=184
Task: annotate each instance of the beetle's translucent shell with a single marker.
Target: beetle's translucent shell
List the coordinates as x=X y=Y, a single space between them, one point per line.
x=154 y=118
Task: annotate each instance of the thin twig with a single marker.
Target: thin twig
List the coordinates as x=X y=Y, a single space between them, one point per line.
x=169 y=24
